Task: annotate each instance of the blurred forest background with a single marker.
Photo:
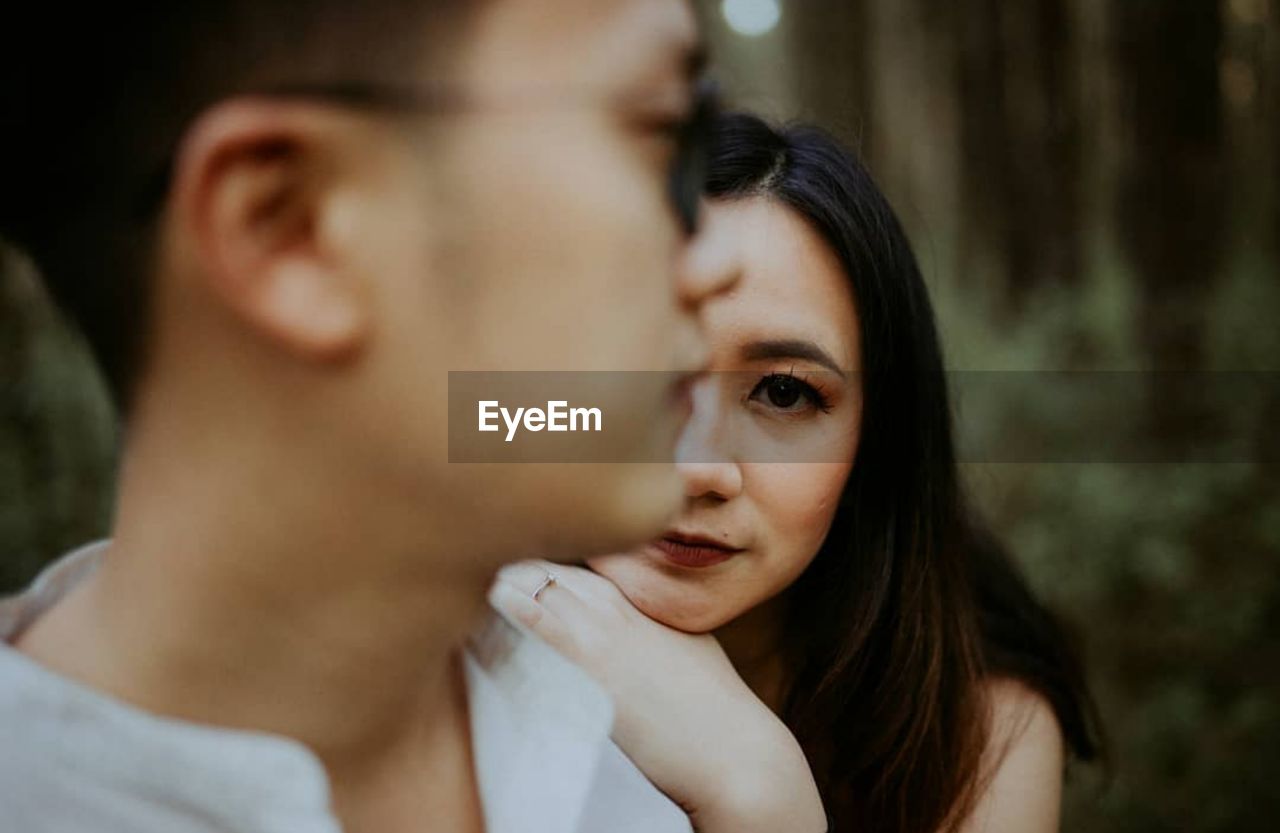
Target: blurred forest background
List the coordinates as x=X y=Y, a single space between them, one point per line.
x=1090 y=186
x=1094 y=185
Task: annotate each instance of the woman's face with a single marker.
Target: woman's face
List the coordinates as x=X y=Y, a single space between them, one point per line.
x=774 y=428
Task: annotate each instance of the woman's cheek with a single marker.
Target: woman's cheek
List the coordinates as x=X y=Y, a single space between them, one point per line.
x=795 y=505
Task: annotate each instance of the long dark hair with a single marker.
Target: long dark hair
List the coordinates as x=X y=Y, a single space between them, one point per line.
x=884 y=638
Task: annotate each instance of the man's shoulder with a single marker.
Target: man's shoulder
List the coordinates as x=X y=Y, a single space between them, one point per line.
x=74 y=758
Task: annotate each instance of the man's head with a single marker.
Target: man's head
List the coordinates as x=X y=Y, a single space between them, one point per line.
x=285 y=221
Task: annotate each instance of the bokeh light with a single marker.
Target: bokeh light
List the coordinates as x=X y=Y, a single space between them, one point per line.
x=751 y=17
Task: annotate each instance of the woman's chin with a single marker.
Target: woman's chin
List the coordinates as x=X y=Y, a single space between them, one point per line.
x=661 y=596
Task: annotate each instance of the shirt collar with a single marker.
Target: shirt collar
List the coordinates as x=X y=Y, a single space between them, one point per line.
x=539 y=726
x=55 y=581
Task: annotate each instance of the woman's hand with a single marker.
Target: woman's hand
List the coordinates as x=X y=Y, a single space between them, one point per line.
x=684 y=716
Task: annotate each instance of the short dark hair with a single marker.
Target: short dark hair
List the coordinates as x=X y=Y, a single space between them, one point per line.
x=96 y=98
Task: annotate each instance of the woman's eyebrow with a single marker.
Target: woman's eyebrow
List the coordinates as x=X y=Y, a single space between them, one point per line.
x=791 y=348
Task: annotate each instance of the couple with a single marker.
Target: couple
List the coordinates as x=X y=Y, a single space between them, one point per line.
x=279 y=224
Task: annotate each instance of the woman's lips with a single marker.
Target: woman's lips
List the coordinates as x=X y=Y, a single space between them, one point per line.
x=685 y=551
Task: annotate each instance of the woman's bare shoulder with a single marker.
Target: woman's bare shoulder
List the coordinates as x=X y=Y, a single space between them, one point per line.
x=1023 y=764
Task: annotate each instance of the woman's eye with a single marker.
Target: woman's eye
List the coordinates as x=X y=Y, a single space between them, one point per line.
x=785 y=392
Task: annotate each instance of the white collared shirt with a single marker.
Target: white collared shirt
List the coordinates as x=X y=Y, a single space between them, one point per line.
x=73 y=759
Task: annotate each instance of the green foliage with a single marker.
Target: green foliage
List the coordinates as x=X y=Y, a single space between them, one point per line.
x=1170 y=572
x=57 y=434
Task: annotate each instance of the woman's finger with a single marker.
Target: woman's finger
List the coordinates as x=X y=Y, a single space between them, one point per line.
x=558 y=614
x=542 y=581
x=592 y=586
x=520 y=607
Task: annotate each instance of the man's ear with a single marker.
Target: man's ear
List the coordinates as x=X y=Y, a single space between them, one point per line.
x=257 y=195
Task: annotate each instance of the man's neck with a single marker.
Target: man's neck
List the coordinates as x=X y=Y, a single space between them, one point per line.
x=248 y=599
